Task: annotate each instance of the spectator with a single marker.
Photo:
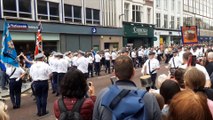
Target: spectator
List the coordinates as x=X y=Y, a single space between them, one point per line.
x=168 y=89
x=179 y=73
x=3 y=111
x=73 y=88
x=209 y=66
x=188 y=105
x=194 y=80
x=124 y=71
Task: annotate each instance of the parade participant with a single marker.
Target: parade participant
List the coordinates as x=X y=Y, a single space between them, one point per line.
x=107 y=61
x=68 y=56
x=90 y=66
x=73 y=89
x=97 y=63
x=140 y=57
x=150 y=67
x=124 y=70
x=82 y=64
x=74 y=60
x=180 y=53
x=41 y=73
x=62 y=68
x=124 y=51
x=15 y=75
x=175 y=62
x=114 y=56
x=190 y=61
x=133 y=56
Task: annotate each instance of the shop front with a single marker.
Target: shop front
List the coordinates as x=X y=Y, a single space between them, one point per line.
x=137 y=35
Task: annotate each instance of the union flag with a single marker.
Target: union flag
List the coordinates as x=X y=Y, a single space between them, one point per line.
x=39 y=47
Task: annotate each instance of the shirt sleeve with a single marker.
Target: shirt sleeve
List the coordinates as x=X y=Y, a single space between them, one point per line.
x=22 y=70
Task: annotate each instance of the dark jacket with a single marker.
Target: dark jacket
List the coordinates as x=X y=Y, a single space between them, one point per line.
x=86 y=109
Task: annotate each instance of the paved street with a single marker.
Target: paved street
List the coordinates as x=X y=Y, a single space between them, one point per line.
x=28 y=106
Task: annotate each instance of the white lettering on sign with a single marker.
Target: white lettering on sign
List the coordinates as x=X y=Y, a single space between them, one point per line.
x=140 y=31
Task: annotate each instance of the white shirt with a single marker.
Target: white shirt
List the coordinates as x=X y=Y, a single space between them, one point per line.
x=180 y=55
x=74 y=61
x=97 y=58
x=90 y=59
x=133 y=54
x=53 y=64
x=107 y=56
x=114 y=55
x=18 y=72
x=140 y=53
x=68 y=60
x=177 y=62
x=40 y=71
x=152 y=64
x=199 y=67
x=62 y=66
x=82 y=64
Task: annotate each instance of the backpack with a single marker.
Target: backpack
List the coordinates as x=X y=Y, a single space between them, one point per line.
x=125 y=104
x=74 y=114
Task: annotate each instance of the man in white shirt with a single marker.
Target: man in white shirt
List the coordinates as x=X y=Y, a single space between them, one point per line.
x=150 y=67
x=140 y=56
x=97 y=63
x=175 y=62
x=15 y=75
x=82 y=64
x=186 y=57
x=40 y=73
x=133 y=56
x=107 y=61
x=90 y=66
x=62 y=68
x=53 y=62
x=180 y=53
x=74 y=60
x=114 y=56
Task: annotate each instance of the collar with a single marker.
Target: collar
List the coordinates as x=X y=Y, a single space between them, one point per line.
x=125 y=82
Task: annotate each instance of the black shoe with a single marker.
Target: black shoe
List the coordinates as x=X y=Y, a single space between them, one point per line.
x=14 y=107
x=57 y=94
x=43 y=114
x=53 y=92
x=39 y=114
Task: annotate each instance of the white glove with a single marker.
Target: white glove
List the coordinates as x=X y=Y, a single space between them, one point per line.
x=17 y=79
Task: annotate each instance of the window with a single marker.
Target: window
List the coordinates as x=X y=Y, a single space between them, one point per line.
x=136 y=13
x=92 y=16
x=157 y=3
x=126 y=11
x=173 y=5
x=54 y=11
x=68 y=13
x=165 y=21
x=186 y=5
x=172 y=22
x=165 y=4
x=48 y=10
x=77 y=14
x=178 y=22
x=158 y=20
x=149 y=15
x=23 y=11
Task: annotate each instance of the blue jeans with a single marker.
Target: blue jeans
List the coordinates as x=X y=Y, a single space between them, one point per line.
x=15 y=92
x=41 y=93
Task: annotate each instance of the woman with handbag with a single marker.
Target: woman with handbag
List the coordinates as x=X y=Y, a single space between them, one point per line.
x=15 y=74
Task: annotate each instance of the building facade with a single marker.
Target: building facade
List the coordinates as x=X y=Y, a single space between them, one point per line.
x=199 y=13
x=168 y=17
x=137 y=19
x=67 y=24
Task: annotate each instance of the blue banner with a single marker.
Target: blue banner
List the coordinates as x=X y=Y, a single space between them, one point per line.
x=8 y=52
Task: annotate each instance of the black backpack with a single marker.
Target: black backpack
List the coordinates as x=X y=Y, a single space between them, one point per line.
x=74 y=114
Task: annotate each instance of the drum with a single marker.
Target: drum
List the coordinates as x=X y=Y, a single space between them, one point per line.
x=146 y=81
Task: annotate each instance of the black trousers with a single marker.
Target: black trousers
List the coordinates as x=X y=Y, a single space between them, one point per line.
x=107 y=66
x=59 y=79
x=140 y=61
x=90 y=69
x=41 y=92
x=54 y=81
x=15 y=92
x=97 y=68
x=153 y=78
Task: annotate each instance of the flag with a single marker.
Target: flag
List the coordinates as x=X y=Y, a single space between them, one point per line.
x=8 y=52
x=39 y=47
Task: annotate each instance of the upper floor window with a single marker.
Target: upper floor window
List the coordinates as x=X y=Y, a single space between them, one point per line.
x=158 y=20
x=92 y=16
x=17 y=8
x=136 y=13
x=72 y=13
x=165 y=4
x=126 y=11
x=47 y=10
x=157 y=3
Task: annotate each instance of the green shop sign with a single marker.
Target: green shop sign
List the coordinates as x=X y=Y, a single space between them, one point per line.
x=138 y=30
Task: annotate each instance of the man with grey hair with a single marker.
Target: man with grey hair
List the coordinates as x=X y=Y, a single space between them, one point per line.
x=209 y=66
